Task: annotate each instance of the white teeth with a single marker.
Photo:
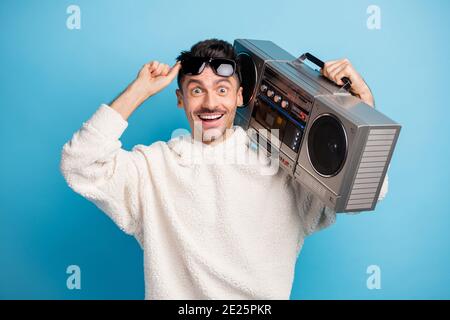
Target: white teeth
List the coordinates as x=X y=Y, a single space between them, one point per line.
x=210 y=117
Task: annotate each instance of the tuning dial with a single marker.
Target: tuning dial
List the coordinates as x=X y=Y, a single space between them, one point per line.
x=284 y=104
x=270 y=93
x=263 y=88
x=277 y=98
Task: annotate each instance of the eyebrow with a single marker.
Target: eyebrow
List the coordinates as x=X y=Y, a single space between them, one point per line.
x=201 y=83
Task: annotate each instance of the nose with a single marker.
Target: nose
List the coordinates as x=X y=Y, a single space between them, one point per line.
x=210 y=101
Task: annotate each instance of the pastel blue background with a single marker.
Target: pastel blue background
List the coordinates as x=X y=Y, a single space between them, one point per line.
x=53 y=79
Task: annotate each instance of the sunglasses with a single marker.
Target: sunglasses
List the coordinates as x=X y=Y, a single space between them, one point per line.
x=221 y=66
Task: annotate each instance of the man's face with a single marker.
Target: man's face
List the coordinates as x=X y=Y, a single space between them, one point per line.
x=210 y=103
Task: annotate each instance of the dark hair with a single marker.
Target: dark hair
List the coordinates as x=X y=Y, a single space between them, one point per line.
x=211 y=48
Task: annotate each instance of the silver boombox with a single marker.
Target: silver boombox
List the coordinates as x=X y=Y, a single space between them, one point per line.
x=328 y=140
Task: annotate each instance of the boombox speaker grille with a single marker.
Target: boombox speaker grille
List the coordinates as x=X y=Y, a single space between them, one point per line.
x=371 y=167
x=327 y=145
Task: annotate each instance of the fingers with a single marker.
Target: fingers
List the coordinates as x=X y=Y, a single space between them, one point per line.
x=327 y=65
x=338 y=77
x=157 y=69
x=152 y=66
x=337 y=69
x=173 y=72
x=161 y=69
x=165 y=70
x=330 y=66
x=339 y=72
x=162 y=73
x=338 y=65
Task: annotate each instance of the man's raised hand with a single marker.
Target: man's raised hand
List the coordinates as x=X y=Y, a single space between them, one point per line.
x=155 y=76
x=152 y=78
x=335 y=70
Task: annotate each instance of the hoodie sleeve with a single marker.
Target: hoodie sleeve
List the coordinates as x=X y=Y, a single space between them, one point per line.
x=314 y=214
x=384 y=188
x=95 y=166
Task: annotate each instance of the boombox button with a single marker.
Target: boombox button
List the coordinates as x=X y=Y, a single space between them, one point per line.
x=284 y=104
x=263 y=88
x=270 y=93
x=277 y=98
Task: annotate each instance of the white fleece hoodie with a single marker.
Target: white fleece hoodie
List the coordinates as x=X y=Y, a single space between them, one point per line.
x=210 y=229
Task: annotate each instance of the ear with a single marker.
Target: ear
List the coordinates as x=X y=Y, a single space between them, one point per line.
x=240 y=98
x=179 y=94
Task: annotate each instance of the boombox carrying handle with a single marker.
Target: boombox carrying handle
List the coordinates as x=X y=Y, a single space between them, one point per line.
x=320 y=64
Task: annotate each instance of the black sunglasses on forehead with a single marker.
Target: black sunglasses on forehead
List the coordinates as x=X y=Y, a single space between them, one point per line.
x=221 y=66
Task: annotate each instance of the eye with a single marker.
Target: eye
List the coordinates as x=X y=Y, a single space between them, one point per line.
x=223 y=90
x=196 y=91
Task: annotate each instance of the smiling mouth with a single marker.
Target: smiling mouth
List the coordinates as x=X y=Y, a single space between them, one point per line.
x=210 y=117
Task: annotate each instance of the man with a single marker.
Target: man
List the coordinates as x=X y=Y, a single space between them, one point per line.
x=209 y=229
